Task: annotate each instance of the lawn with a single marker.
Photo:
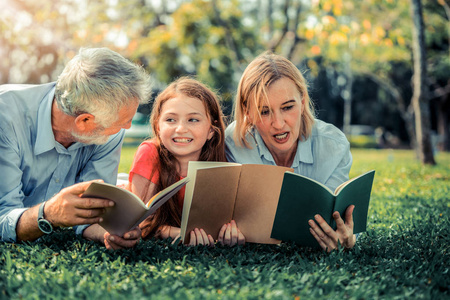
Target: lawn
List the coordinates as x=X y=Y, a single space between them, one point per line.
x=404 y=254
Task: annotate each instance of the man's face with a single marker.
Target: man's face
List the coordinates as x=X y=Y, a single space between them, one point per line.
x=100 y=135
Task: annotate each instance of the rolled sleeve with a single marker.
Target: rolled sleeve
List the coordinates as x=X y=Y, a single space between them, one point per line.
x=8 y=222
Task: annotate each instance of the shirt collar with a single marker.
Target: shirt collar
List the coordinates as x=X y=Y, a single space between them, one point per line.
x=304 y=150
x=45 y=139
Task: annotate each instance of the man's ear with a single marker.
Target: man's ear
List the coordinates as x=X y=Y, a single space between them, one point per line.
x=85 y=122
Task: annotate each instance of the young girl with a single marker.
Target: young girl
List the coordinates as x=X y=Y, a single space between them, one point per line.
x=187 y=125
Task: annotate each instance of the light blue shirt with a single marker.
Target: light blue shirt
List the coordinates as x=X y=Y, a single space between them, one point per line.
x=34 y=166
x=325 y=156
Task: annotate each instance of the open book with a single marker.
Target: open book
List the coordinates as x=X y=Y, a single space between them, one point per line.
x=301 y=198
x=219 y=192
x=267 y=202
x=129 y=210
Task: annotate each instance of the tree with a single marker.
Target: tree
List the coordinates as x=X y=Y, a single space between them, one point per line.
x=420 y=96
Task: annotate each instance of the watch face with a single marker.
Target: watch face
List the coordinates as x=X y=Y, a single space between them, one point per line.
x=45 y=226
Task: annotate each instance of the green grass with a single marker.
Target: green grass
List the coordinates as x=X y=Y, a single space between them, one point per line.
x=404 y=254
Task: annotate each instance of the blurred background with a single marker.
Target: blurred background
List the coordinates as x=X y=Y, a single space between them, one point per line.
x=356 y=55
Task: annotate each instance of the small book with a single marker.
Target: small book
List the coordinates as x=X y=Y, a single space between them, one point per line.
x=219 y=192
x=301 y=198
x=129 y=210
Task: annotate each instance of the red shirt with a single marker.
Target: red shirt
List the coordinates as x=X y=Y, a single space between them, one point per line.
x=145 y=163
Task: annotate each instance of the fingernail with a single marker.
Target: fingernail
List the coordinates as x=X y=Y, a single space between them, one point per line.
x=310 y=222
x=111 y=203
x=100 y=220
x=111 y=238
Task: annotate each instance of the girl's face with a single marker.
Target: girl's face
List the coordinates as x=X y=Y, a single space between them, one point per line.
x=184 y=127
x=279 y=125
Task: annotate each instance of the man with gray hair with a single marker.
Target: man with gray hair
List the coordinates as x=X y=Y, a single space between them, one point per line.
x=56 y=138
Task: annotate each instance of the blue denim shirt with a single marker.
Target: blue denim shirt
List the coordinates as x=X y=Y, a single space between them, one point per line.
x=34 y=166
x=325 y=156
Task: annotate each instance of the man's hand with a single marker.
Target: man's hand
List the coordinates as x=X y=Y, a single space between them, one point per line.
x=64 y=209
x=67 y=208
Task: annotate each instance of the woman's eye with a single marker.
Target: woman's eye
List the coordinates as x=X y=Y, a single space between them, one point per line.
x=170 y=120
x=287 y=107
x=265 y=112
x=194 y=120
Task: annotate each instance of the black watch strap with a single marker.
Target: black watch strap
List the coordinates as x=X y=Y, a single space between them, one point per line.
x=44 y=225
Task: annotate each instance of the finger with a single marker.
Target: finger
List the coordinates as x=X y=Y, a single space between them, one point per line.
x=234 y=233
x=222 y=233
x=328 y=242
x=176 y=240
x=241 y=238
x=199 y=237
x=325 y=228
x=211 y=241
x=92 y=203
x=227 y=238
x=204 y=236
x=349 y=216
x=79 y=188
x=89 y=213
x=340 y=225
x=119 y=243
x=192 y=240
x=322 y=244
x=133 y=234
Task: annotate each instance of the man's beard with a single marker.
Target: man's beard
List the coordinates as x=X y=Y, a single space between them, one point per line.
x=93 y=138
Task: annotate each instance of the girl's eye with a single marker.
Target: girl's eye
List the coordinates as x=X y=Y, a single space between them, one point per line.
x=194 y=120
x=170 y=120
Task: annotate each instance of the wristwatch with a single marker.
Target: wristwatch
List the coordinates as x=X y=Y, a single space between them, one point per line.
x=44 y=225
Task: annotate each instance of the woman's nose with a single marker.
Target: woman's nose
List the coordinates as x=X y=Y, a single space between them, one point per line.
x=277 y=120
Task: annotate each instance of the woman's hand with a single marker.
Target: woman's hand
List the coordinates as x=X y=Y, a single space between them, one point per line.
x=327 y=237
x=230 y=235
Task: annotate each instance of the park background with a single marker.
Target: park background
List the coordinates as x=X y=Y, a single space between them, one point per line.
x=359 y=58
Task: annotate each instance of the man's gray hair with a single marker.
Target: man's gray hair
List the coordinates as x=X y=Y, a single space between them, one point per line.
x=100 y=81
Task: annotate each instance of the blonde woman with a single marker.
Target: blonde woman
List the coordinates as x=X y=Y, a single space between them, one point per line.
x=275 y=125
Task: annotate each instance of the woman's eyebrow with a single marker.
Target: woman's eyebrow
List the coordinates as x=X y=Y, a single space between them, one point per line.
x=289 y=101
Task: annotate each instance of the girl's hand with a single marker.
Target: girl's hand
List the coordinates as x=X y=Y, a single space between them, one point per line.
x=327 y=237
x=199 y=237
x=230 y=235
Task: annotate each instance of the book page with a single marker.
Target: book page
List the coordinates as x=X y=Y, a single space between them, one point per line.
x=257 y=200
x=356 y=192
x=212 y=200
x=300 y=200
x=344 y=184
x=192 y=173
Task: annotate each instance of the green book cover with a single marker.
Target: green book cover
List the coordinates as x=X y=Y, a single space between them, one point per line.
x=301 y=198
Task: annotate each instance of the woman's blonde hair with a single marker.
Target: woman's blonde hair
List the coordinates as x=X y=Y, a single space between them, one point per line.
x=263 y=71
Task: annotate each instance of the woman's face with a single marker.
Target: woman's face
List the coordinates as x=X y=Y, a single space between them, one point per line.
x=279 y=125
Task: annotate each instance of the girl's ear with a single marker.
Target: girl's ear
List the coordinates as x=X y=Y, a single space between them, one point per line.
x=210 y=133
